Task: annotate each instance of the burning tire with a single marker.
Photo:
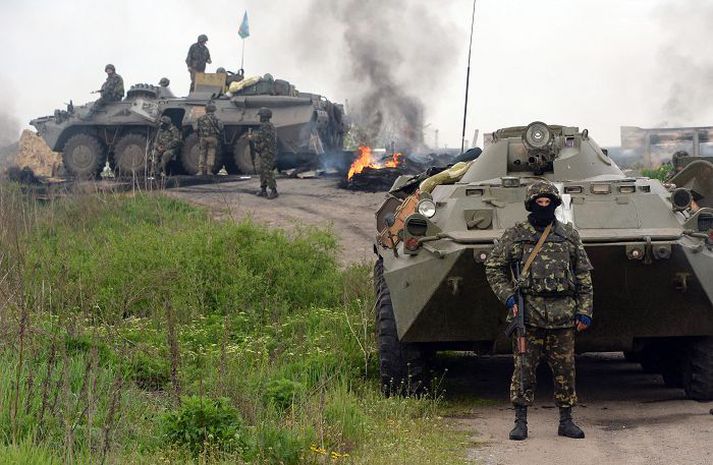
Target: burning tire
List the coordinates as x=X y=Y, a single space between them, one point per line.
x=242 y=156
x=83 y=156
x=402 y=366
x=131 y=155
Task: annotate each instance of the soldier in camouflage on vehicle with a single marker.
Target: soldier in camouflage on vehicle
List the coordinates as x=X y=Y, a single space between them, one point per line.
x=558 y=298
x=210 y=133
x=166 y=146
x=264 y=142
x=111 y=91
x=198 y=57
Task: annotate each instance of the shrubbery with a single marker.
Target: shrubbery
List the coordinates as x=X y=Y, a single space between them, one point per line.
x=142 y=331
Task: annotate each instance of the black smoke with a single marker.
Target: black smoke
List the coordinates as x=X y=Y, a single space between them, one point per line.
x=395 y=53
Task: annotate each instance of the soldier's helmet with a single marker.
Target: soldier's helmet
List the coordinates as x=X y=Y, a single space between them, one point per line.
x=542 y=189
x=264 y=113
x=165 y=120
x=210 y=107
x=202 y=38
x=164 y=82
x=109 y=67
x=221 y=70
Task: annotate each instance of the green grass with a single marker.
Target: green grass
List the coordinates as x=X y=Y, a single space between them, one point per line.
x=131 y=313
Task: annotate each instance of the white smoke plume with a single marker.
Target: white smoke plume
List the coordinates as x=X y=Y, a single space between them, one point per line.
x=393 y=53
x=686 y=62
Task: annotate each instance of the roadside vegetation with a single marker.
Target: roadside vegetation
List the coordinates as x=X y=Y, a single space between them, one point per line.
x=136 y=330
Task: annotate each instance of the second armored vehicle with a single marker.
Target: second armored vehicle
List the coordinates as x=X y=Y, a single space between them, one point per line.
x=651 y=246
x=307 y=125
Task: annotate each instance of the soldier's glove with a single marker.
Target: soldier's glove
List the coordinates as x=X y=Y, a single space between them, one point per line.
x=583 y=319
x=510 y=303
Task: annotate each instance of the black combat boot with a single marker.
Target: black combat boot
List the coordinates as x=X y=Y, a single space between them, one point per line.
x=567 y=427
x=519 y=432
x=262 y=192
x=273 y=194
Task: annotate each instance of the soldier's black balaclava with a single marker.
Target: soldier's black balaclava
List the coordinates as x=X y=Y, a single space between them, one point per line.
x=540 y=217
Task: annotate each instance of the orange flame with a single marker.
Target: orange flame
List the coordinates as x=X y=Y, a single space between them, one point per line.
x=366 y=159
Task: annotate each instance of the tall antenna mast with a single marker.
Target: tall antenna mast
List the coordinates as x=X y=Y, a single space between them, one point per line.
x=467 y=79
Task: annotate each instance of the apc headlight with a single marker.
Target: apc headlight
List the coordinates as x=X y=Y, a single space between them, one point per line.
x=427 y=208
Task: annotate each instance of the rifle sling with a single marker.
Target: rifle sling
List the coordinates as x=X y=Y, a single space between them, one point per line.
x=536 y=250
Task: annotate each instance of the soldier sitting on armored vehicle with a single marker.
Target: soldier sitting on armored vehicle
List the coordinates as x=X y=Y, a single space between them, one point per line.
x=166 y=146
x=111 y=91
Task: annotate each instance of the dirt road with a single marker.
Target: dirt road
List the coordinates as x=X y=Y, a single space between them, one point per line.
x=629 y=417
x=302 y=202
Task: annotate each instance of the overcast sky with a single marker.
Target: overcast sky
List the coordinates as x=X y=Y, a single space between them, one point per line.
x=597 y=64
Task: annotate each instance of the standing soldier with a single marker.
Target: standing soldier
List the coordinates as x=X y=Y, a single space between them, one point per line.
x=210 y=133
x=166 y=146
x=556 y=286
x=111 y=91
x=198 y=56
x=265 y=145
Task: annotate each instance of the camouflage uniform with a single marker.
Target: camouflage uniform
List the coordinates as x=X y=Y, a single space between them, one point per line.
x=198 y=56
x=166 y=146
x=265 y=143
x=556 y=288
x=210 y=133
x=112 y=90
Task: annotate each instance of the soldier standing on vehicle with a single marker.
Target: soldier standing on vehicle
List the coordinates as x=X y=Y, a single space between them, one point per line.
x=210 y=134
x=198 y=56
x=556 y=286
x=111 y=91
x=264 y=142
x=166 y=146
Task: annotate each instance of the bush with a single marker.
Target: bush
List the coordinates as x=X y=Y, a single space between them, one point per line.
x=280 y=446
x=283 y=392
x=202 y=424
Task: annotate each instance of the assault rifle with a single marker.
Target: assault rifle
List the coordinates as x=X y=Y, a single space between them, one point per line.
x=517 y=326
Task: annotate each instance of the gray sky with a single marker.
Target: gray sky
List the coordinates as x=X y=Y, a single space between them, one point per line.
x=597 y=64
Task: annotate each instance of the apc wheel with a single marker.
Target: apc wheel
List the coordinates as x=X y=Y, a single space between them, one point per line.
x=190 y=155
x=83 y=156
x=242 y=156
x=131 y=155
x=401 y=365
x=698 y=370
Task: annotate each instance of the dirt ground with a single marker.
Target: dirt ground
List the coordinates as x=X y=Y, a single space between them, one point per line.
x=629 y=417
x=311 y=202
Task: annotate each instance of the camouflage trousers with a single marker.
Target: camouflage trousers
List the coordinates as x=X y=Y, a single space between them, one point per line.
x=556 y=346
x=160 y=160
x=266 y=169
x=208 y=148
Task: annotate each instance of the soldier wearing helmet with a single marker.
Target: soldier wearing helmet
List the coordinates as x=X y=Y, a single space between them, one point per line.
x=264 y=141
x=198 y=56
x=210 y=137
x=166 y=146
x=163 y=90
x=558 y=298
x=111 y=91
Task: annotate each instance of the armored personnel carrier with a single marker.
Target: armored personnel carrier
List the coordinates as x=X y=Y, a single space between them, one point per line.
x=651 y=246
x=307 y=125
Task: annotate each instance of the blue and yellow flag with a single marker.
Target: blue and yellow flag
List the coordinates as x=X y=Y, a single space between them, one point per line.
x=244 y=30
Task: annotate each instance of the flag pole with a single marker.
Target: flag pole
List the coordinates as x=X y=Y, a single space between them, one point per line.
x=242 y=58
x=467 y=80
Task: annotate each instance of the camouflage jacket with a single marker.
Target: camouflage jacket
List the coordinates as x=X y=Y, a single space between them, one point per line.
x=113 y=88
x=198 y=56
x=558 y=284
x=168 y=138
x=209 y=125
x=265 y=140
